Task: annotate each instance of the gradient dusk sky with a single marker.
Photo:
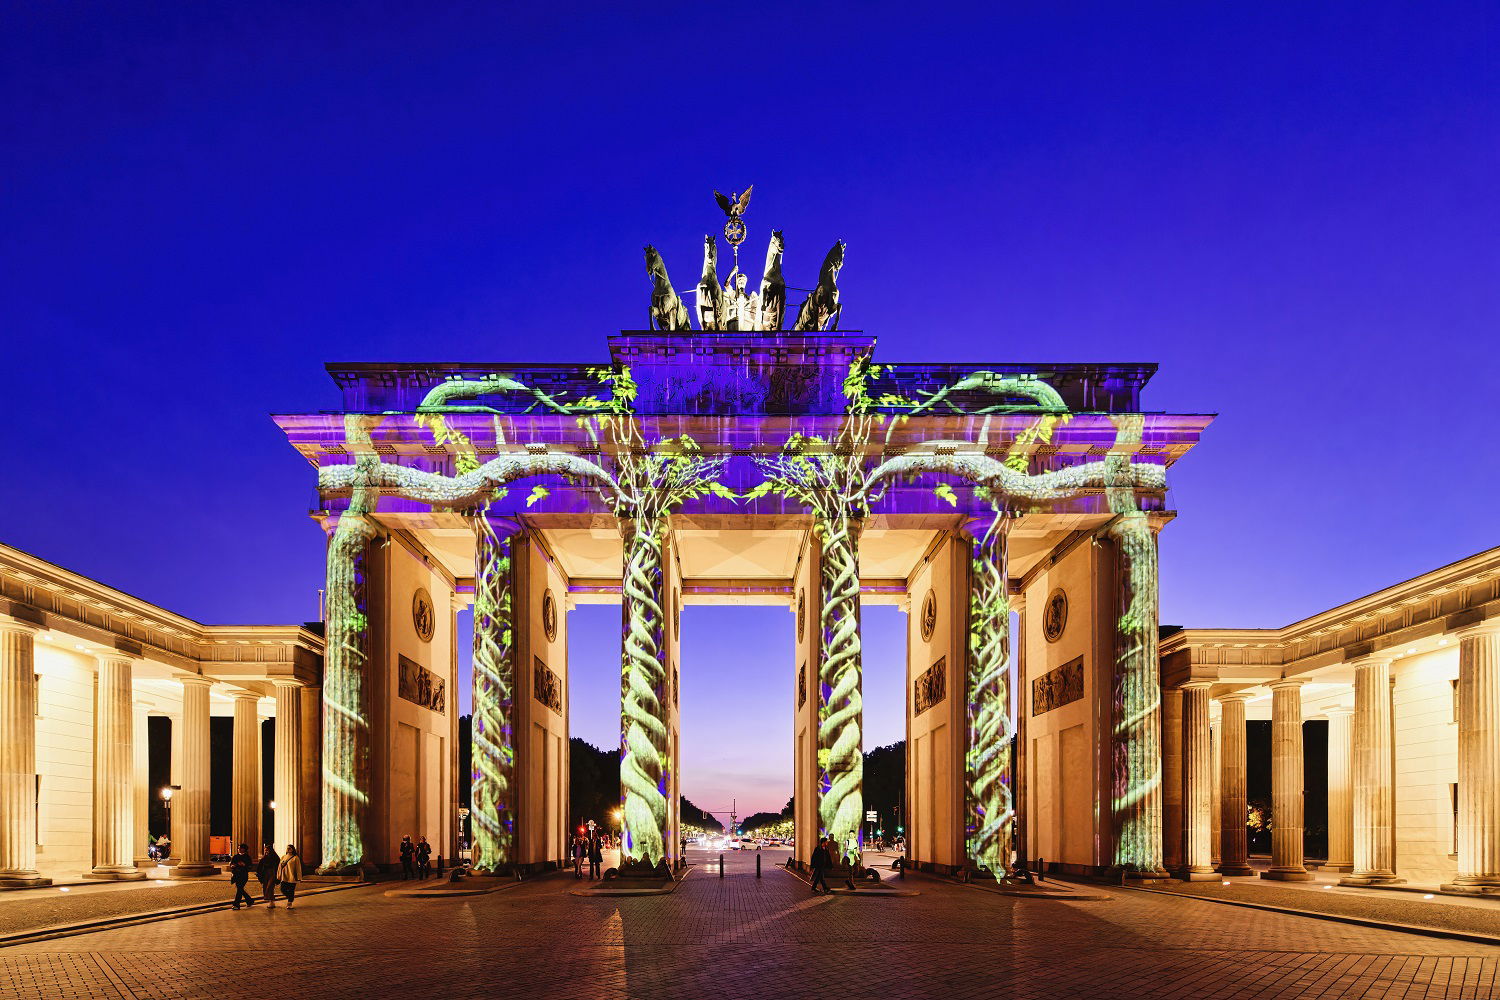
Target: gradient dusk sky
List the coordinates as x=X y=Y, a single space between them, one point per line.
x=1291 y=207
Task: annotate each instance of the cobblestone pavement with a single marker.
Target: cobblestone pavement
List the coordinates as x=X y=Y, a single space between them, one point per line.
x=767 y=936
x=1441 y=912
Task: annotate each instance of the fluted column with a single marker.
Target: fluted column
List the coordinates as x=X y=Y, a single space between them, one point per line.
x=247 y=800
x=1215 y=809
x=288 y=791
x=1234 y=852
x=18 y=757
x=1197 y=785
x=114 y=771
x=190 y=804
x=1171 y=779
x=141 y=786
x=1373 y=774
x=1478 y=760
x=1340 y=790
x=1287 y=821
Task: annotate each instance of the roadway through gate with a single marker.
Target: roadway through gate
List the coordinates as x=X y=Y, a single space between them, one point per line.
x=768 y=936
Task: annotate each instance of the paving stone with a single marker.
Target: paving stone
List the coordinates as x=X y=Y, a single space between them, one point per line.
x=769 y=937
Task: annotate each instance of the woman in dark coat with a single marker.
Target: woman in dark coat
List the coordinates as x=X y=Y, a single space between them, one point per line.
x=265 y=871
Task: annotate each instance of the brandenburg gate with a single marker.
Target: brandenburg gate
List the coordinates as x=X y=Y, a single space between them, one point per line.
x=743 y=452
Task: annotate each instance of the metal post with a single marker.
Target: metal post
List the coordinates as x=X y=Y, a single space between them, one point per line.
x=757 y=864
x=721 y=866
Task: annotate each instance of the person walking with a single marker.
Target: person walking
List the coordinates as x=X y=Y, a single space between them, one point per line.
x=408 y=858
x=239 y=874
x=289 y=873
x=820 y=863
x=424 y=857
x=579 y=850
x=265 y=871
x=596 y=857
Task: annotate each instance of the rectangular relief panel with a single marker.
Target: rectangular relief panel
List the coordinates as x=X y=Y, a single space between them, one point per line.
x=546 y=686
x=931 y=688
x=1057 y=688
x=421 y=686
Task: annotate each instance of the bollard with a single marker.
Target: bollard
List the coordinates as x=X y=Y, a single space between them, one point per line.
x=721 y=866
x=757 y=864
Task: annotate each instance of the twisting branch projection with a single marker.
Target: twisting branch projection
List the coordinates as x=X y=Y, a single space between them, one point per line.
x=829 y=478
x=651 y=480
x=346 y=724
x=650 y=484
x=493 y=723
x=990 y=806
x=1137 y=690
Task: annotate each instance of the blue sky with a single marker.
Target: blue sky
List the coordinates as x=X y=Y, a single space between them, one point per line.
x=1290 y=206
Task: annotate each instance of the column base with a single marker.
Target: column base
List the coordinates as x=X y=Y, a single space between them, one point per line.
x=1287 y=875
x=1340 y=867
x=20 y=880
x=116 y=874
x=1233 y=869
x=1195 y=875
x=1477 y=887
x=1371 y=878
x=192 y=871
x=1130 y=875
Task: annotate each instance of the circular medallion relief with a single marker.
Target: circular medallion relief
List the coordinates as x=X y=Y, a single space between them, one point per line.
x=1055 y=615
x=549 y=615
x=422 y=617
x=929 y=615
x=801 y=614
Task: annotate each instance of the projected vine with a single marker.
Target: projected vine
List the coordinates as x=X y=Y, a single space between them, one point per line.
x=493 y=728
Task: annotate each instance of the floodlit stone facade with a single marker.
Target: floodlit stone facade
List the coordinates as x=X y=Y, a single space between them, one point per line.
x=1409 y=681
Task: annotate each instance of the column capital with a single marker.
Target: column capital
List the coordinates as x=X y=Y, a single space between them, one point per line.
x=239 y=694
x=1338 y=712
x=1286 y=683
x=1197 y=685
x=1240 y=696
x=287 y=682
x=9 y=623
x=1490 y=626
x=193 y=680
x=1372 y=660
x=102 y=655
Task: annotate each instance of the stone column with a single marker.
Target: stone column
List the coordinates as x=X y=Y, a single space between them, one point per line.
x=1171 y=779
x=1234 y=852
x=989 y=807
x=1215 y=809
x=190 y=805
x=287 y=792
x=114 y=771
x=1136 y=798
x=1340 y=790
x=1197 y=785
x=247 y=798
x=492 y=732
x=141 y=778
x=310 y=814
x=1287 y=823
x=18 y=756
x=1478 y=761
x=1373 y=775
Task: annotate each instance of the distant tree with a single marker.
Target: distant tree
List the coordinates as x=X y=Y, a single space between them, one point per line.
x=693 y=816
x=760 y=820
x=885 y=781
